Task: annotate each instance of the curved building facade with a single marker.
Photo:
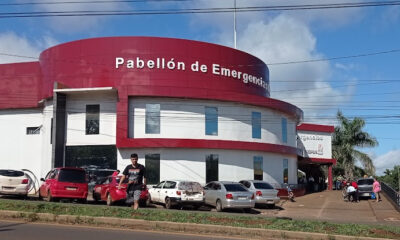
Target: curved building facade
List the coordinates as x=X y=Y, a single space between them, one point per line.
x=191 y=110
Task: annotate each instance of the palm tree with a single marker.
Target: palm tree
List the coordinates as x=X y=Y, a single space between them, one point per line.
x=348 y=136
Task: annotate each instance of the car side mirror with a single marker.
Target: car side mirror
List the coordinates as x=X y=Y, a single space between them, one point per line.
x=42 y=179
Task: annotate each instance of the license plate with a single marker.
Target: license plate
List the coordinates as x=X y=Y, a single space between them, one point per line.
x=71 y=188
x=270 y=201
x=8 y=188
x=242 y=198
x=190 y=199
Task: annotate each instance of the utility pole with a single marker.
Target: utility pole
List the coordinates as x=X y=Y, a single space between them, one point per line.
x=234 y=24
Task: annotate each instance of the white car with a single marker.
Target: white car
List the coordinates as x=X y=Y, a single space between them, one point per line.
x=14 y=182
x=177 y=193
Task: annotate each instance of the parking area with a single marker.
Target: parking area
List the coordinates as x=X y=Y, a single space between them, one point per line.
x=329 y=206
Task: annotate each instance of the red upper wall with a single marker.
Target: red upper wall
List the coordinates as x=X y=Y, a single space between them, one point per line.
x=91 y=63
x=316 y=128
x=20 y=85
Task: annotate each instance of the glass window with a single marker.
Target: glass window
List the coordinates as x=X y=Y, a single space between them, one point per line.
x=256 y=124
x=258 y=167
x=152 y=118
x=284 y=130
x=263 y=185
x=72 y=176
x=92 y=119
x=235 y=188
x=152 y=162
x=285 y=171
x=212 y=167
x=211 y=121
x=169 y=185
x=32 y=130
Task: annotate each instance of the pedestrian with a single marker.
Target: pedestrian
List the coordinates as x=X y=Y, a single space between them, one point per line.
x=376 y=188
x=136 y=174
x=351 y=192
x=311 y=183
x=355 y=185
x=290 y=193
x=339 y=180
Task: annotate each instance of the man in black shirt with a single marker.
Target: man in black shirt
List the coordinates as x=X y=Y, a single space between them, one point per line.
x=136 y=174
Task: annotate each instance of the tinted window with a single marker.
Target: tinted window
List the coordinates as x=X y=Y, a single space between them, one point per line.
x=169 y=185
x=92 y=119
x=260 y=185
x=211 y=121
x=234 y=188
x=70 y=175
x=11 y=173
x=256 y=124
x=159 y=185
x=365 y=182
x=152 y=162
x=152 y=118
x=212 y=167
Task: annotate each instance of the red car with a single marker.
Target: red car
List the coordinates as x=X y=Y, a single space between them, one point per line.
x=64 y=182
x=108 y=191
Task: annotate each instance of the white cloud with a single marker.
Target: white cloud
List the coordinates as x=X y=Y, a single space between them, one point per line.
x=386 y=161
x=12 y=44
x=285 y=39
x=81 y=23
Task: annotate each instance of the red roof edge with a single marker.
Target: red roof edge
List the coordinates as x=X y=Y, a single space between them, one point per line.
x=316 y=128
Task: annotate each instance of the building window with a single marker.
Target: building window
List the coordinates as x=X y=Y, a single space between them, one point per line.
x=92 y=119
x=285 y=171
x=211 y=120
x=152 y=162
x=152 y=118
x=32 y=130
x=258 y=167
x=284 y=130
x=256 y=124
x=211 y=168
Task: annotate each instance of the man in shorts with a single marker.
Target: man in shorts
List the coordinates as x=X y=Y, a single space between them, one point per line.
x=135 y=173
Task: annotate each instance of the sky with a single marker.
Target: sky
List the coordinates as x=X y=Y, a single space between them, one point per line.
x=367 y=86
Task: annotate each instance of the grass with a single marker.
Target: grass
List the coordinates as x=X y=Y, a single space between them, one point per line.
x=203 y=218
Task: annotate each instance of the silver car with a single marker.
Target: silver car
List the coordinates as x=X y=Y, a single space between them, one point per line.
x=265 y=194
x=222 y=195
x=365 y=187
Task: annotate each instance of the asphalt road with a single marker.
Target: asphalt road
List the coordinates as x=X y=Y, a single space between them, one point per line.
x=13 y=230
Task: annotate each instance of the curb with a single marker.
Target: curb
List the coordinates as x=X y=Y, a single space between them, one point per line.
x=203 y=229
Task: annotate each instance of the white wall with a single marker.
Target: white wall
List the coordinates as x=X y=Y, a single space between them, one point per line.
x=21 y=151
x=185 y=118
x=234 y=165
x=315 y=144
x=76 y=119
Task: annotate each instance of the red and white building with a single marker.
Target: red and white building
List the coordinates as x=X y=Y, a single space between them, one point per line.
x=191 y=110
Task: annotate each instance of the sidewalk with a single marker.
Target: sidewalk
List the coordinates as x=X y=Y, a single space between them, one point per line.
x=329 y=206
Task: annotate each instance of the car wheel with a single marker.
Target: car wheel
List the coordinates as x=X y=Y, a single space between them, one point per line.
x=147 y=202
x=82 y=200
x=168 y=204
x=218 y=206
x=109 y=200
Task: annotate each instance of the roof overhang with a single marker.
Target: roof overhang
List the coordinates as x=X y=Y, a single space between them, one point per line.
x=73 y=91
x=319 y=161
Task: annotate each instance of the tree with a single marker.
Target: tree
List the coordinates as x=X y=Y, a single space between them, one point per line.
x=349 y=136
x=392 y=177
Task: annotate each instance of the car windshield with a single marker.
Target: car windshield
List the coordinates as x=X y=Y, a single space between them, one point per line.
x=234 y=188
x=126 y=180
x=72 y=175
x=11 y=173
x=365 y=181
x=262 y=185
x=190 y=186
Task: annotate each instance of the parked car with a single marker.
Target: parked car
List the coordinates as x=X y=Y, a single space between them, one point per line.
x=108 y=191
x=222 y=195
x=96 y=175
x=64 y=182
x=177 y=193
x=265 y=194
x=14 y=182
x=365 y=187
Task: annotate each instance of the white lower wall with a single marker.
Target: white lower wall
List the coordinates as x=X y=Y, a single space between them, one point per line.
x=234 y=165
x=21 y=151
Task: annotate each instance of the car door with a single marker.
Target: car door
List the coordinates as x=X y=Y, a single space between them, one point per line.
x=105 y=188
x=155 y=192
x=167 y=191
x=210 y=194
x=48 y=182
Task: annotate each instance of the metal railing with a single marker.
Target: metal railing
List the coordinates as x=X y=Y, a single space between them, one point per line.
x=392 y=194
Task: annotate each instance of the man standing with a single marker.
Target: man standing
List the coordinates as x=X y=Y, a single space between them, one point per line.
x=136 y=174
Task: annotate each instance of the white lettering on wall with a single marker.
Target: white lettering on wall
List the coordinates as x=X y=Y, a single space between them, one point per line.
x=172 y=64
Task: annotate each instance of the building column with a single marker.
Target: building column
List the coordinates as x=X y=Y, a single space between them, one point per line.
x=330 y=187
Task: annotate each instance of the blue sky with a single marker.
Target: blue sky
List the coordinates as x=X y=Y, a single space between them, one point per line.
x=368 y=87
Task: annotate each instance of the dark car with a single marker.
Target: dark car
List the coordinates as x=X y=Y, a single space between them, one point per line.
x=65 y=182
x=365 y=187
